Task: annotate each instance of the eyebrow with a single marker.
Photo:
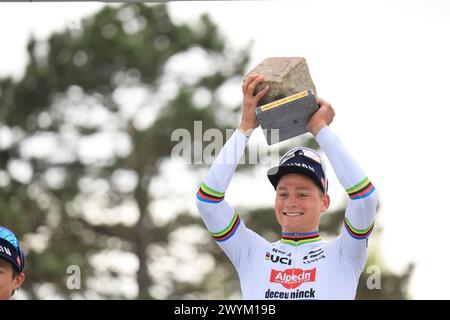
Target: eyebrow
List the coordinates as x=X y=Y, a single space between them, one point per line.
x=297 y=188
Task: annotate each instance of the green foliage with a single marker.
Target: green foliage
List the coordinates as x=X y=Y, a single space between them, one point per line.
x=117 y=48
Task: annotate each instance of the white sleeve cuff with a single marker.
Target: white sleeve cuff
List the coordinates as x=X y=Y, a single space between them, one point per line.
x=325 y=137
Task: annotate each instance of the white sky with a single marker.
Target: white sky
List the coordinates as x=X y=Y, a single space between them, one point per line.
x=382 y=64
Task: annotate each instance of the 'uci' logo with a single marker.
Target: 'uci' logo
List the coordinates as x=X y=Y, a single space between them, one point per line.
x=276 y=258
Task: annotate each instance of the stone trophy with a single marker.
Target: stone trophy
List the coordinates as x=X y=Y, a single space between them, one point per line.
x=285 y=110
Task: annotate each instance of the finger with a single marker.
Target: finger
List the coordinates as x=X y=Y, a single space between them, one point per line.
x=262 y=93
x=254 y=83
x=323 y=103
x=249 y=80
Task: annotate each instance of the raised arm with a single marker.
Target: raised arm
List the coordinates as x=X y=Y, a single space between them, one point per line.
x=222 y=221
x=363 y=198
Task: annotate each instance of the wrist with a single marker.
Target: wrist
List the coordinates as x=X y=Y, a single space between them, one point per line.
x=247 y=131
x=316 y=127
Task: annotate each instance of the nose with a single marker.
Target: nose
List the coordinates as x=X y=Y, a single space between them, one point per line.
x=291 y=202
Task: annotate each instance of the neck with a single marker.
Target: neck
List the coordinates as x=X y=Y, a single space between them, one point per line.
x=299 y=238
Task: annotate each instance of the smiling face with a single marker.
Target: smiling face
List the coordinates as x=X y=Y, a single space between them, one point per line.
x=299 y=204
x=9 y=282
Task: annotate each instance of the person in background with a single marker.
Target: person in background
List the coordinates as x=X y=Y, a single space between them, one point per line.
x=12 y=264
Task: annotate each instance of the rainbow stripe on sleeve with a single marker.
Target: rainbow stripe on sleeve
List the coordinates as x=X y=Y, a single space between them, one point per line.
x=356 y=233
x=361 y=190
x=206 y=194
x=229 y=231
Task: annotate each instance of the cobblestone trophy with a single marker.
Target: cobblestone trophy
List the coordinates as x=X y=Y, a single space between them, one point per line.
x=285 y=110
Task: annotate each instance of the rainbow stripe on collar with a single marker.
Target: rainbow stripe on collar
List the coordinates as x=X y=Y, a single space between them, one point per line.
x=206 y=194
x=361 y=190
x=297 y=239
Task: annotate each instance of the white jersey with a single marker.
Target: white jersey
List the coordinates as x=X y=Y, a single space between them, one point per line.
x=298 y=266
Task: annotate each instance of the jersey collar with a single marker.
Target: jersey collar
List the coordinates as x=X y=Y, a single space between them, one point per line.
x=297 y=239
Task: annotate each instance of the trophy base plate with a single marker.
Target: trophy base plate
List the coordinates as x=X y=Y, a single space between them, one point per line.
x=287 y=117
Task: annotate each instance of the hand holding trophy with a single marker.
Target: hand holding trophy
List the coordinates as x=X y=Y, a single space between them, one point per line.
x=284 y=111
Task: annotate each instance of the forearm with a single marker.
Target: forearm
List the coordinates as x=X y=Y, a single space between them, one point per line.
x=224 y=166
x=221 y=220
x=215 y=211
x=361 y=209
x=347 y=170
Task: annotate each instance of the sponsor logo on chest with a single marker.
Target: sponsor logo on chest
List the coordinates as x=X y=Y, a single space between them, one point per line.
x=278 y=256
x=278 y=259
x=292 y=278
x=313 y=256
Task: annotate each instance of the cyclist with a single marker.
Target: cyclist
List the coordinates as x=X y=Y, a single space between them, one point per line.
x=300 y=265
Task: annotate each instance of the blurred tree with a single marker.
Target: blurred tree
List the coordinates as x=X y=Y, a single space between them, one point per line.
x=87 y=129
x=86 y=133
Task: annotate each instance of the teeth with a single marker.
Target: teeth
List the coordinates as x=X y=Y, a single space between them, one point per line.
x=293 y=214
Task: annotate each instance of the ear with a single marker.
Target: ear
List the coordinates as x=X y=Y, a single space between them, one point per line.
x=18 y=280
x=325 y=203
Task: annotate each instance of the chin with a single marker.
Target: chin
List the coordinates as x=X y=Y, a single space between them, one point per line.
x=290 y=228
x=298 y=228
